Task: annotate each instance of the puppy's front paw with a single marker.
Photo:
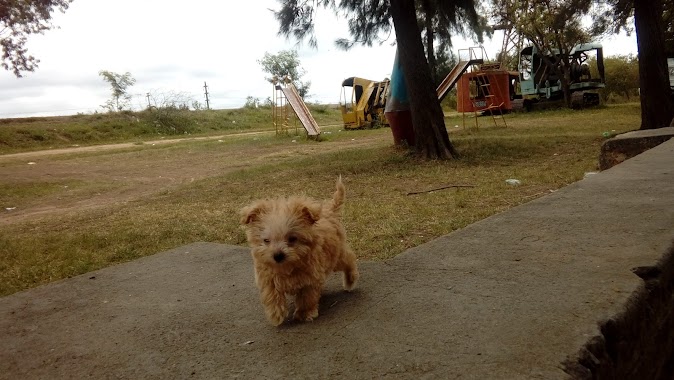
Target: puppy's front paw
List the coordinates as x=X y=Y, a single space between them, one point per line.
x=276 y=320
x=305 y=315
x=275 y=307
x=276 y=315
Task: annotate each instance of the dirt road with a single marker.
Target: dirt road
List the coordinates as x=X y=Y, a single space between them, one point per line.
x=62 y=181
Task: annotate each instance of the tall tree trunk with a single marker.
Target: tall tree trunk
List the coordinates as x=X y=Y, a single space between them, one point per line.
x=428 y=11
x=431 y=49
x=428 y=119
x=565 y=79
x=657 y=109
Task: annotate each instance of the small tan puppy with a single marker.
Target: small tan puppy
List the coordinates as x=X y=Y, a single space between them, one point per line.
x=296 y=243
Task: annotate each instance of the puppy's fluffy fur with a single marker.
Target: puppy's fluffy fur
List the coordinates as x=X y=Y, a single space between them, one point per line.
x=296 y=243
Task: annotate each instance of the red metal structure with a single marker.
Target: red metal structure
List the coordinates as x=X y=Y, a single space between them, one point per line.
x=489 y=89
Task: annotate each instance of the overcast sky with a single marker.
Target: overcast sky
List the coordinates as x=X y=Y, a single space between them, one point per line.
x=174 y=47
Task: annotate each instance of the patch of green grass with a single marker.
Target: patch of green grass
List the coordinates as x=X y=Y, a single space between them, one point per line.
x=22 y=194
x=13 y=193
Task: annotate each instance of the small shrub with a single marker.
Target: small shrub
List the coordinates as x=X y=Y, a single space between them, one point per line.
x=170 y=120
x=318 y=108
x=251 y=102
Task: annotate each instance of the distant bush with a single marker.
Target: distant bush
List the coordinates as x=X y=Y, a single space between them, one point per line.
x=170 y=119
x=450 y=101
x=170 y=114
x=33 y=135
x=318 y=108
x=622 y=78
x=252 y=102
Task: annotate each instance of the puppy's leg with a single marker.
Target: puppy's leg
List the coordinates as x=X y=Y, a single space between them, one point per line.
x=349 y=267
x=274 y=303
x=306 y=303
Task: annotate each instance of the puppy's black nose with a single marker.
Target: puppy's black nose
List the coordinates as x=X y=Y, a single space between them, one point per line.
x=279 y=257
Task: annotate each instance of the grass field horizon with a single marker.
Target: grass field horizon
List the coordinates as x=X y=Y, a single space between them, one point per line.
x=54 y=132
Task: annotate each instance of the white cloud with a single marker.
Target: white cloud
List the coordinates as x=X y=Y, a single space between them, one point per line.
x=171 y=46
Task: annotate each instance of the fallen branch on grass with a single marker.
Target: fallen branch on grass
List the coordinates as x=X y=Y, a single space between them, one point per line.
x=438 y=188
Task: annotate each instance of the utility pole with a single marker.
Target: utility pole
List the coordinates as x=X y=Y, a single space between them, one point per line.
x=148 y=100
x=208 y=107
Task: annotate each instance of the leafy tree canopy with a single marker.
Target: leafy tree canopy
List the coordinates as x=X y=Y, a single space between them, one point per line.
x=369 y=21
x=613 y=16
x=285 y=64
x=18 y=20
x=622 y=76
x=119 y=84
x=437 y=31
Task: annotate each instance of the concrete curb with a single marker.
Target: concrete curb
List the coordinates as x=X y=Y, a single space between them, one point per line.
x=627 y=145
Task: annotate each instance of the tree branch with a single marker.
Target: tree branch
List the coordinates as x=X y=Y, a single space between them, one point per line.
x=437 y=188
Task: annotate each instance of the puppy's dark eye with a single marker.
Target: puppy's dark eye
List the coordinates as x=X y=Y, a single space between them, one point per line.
x=266 y=241
x=292 y=239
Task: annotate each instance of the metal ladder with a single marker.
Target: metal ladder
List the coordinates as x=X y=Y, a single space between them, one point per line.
x=484 y=84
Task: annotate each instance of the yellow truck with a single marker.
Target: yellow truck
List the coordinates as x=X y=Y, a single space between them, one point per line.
x=362 y=102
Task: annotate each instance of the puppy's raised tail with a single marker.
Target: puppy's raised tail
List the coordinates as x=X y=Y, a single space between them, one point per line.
x=338 y=197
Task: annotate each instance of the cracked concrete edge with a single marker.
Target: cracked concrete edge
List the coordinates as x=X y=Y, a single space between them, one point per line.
x=630 y=144
x=643 y=329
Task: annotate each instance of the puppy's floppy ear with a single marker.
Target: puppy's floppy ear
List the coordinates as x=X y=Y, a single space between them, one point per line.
x=250 y=214
x=311 y=214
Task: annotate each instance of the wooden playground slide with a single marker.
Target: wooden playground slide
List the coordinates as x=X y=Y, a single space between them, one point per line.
x=301 y=110
x=453 y=76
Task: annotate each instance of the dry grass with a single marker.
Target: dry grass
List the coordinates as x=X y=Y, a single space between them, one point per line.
x=544 y=151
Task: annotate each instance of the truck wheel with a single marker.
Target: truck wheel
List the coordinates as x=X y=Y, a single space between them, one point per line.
x=528 y=105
